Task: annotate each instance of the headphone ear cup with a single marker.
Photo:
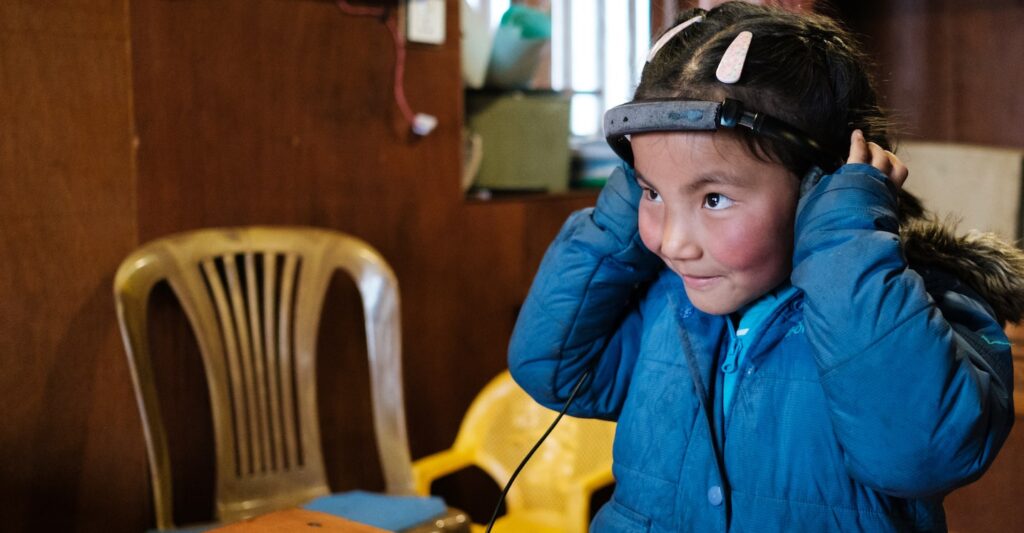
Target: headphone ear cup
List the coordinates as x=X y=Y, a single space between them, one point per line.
x=810 y=179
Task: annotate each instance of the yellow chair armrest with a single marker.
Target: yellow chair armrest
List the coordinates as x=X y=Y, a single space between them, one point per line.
x=440 y=464
x=577 y=512
x=597 y=480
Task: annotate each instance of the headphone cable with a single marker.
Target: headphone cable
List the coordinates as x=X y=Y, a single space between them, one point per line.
x=529 y=454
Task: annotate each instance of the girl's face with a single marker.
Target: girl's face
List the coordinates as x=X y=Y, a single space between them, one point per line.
x=718 y=216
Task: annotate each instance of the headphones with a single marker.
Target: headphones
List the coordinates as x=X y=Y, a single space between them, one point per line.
x=662 y=115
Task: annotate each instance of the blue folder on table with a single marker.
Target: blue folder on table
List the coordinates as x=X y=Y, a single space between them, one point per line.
x=384 y=511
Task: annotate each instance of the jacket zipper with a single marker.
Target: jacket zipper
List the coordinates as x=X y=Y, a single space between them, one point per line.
x=729 y=366
x=732 y=356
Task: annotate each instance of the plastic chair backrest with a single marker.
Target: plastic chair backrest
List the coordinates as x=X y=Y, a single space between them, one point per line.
x=253 y=297
x=501 y=426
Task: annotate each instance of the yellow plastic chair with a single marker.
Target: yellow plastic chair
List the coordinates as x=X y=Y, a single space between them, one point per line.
x=552 y=493
x=253 y=297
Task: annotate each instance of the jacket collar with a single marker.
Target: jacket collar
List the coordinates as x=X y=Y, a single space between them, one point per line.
x=990 y=266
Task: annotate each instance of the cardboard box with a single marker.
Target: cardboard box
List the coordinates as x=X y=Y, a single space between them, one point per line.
x=525 y=139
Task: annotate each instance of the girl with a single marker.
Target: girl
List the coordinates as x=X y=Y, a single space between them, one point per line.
x=786 y=342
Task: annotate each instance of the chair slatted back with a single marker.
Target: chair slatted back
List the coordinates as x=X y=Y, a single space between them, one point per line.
x=253 y=297
x=254 y=312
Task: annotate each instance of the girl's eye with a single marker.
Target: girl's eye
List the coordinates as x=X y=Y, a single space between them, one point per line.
x=717 y=201
x=651 y=195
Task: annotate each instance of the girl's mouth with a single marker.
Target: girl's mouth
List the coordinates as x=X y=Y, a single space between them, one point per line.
x=700 y=282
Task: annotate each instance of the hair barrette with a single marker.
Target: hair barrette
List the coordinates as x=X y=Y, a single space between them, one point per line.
x=731 y=65
x=672 y=33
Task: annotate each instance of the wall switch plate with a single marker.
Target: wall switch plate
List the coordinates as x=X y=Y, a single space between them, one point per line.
x=425 y=21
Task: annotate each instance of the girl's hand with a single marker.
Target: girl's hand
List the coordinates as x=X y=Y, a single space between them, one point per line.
x=862 y=151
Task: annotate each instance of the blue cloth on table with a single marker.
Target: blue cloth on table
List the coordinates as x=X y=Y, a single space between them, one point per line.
x=380 y=510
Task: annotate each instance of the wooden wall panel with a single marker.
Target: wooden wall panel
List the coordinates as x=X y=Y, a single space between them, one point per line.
x=282 y=112
x=71 y=442
x=949 y=70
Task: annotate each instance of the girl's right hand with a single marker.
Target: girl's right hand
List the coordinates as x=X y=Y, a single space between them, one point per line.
x=863 y=151
x=616 y=216
x=616 y=209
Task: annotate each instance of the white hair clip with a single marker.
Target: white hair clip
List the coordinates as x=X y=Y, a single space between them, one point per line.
x=731 y=65
x=670 y=34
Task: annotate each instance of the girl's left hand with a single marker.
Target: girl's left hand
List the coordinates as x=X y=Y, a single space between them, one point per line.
x=862 y=151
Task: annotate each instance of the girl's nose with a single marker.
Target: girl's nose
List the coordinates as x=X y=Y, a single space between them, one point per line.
x=678 y=241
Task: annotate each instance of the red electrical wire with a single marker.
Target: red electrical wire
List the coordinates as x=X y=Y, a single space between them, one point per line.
x=362 y=11
x=392 y=25
x=403 y=104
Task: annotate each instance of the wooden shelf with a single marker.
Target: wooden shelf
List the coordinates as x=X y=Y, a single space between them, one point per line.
x=487 y=197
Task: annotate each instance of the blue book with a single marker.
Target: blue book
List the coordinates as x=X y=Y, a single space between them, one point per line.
x=384 y=511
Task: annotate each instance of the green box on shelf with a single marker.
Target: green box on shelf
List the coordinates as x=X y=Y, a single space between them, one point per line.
x=525 y=138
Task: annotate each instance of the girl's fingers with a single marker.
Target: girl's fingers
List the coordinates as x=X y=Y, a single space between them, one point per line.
x=862 y=151
x=859 y=152
x=880 y=159
x=899 y=172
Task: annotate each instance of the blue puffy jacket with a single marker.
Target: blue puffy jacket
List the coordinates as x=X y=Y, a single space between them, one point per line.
x=868 y=394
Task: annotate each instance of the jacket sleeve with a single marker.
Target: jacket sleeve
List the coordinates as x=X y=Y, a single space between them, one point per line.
x=581 y=312
x=917 y=372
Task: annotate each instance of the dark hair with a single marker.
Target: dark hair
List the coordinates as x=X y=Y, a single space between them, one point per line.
x=804 y=69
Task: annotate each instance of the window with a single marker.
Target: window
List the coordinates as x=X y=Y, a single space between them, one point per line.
x=598 y=49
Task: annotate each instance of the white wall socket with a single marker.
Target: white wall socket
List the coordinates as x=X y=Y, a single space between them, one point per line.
x=425 y=21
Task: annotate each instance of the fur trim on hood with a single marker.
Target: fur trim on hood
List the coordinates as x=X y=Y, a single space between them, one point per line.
x=985 y=262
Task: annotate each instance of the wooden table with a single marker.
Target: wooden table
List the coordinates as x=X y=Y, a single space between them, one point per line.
x=296 y=520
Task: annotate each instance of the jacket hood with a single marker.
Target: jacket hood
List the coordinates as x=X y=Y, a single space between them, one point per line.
x=991 y=266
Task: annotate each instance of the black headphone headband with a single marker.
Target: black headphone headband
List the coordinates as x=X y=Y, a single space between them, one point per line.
x=645 y=116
